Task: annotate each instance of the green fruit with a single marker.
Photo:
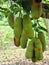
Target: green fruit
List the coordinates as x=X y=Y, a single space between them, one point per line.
x=29 y=51
x=34 y=50
x=23 y=40
x=17 y=41
x=18 y=27
x=42 y=39
x=38 y=49
x=34 y=59
x=11 y=20
x=27 y=26
x=17 y=30
x=36 y=9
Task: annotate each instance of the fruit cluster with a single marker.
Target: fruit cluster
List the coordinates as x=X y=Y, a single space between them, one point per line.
x=36 y=47
x=23 y=31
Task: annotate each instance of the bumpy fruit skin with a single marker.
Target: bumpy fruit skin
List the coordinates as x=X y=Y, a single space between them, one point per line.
x=29 y=51
x=36 y=9
x=17 y=41
x=17 y=30
x=34 y=59
x=11 y=20
x=27 y=26
x=42 y=39
x=23 y=40
x=38 y=49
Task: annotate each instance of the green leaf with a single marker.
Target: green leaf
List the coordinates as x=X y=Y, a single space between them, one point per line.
x=42 y=28
x=34 y=25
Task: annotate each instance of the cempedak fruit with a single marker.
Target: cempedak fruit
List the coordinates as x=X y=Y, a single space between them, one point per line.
x=17 y=41
x=29 y=51
x=27 y=26
x=37 y=50
x=17 y=30
x=11 y=19
x=42 y=39
x=23 y=39
x=34 y=59
x=34 y=50
x=18 y=26
x=36 y=8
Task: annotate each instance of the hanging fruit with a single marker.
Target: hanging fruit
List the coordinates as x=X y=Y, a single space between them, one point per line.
x=42 y=39
x=34 y=50
x=17 y=30
x=27 y=26
x=11 y=19
x=29 y=51
x=38 y=49
x=23 y=40
x=36 y=8
x=24 y=29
